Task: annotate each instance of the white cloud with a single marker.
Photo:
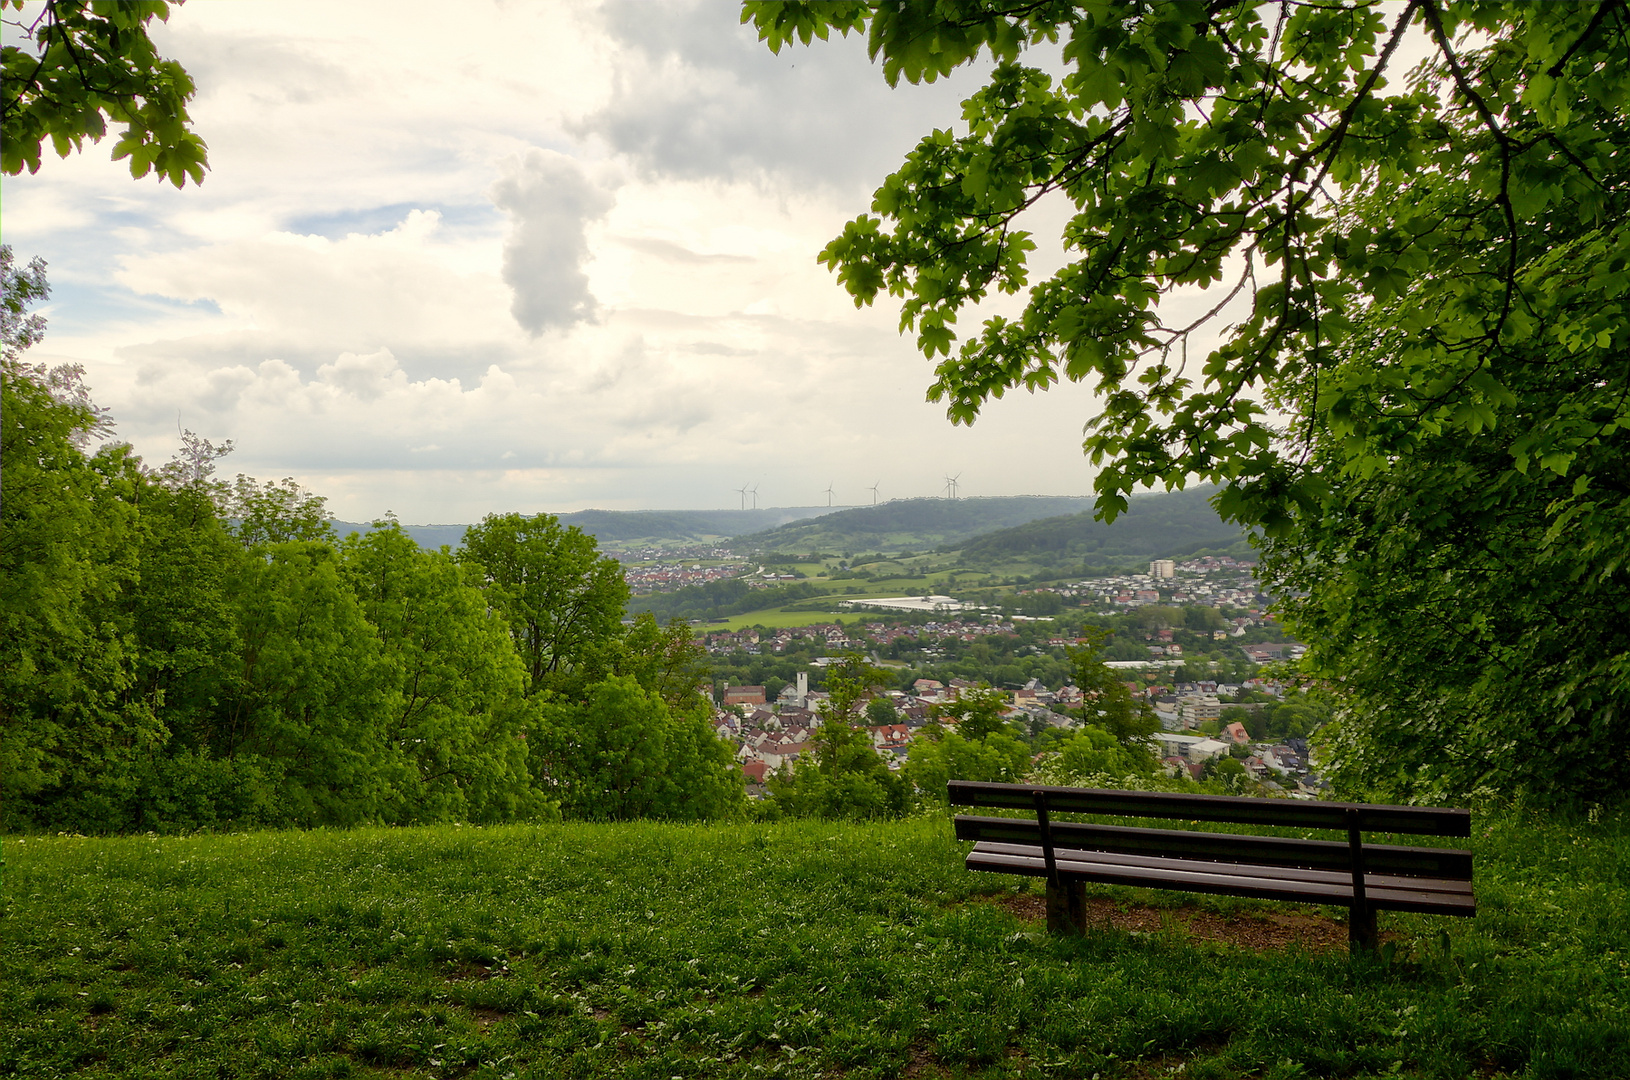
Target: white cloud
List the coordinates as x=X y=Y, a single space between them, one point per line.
x=352 y=292
x=517 y=256
x=695 y=94
x=550 y=201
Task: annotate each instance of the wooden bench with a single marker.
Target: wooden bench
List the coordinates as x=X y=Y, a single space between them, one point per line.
x=1365 y=878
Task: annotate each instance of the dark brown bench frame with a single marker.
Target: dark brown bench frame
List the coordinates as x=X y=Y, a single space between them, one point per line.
x=1365 y=878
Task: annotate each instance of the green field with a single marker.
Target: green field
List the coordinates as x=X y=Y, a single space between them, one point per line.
x=797 y=950
x=776 y=619
x=916 y=577
x=779 y=618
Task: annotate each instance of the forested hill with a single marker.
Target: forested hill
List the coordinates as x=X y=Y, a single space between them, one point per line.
x=992 y=528
x=686 y=524
x=622 y=525
x=429 y=537
x=913 y=523
x=1155 y=526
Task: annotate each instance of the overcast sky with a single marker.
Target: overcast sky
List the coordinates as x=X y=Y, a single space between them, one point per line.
x=459 y=259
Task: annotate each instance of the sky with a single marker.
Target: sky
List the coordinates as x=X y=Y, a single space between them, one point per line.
x=453 y=260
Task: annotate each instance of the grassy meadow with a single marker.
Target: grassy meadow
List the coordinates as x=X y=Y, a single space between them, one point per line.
x=830 y=608
x=796 y=949
x=777 y=619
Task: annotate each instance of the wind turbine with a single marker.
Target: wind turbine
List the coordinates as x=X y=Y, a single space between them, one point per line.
x=743 y=492
x=829 y=494
x=950 y=484
x=753 y=491
x=873 y=490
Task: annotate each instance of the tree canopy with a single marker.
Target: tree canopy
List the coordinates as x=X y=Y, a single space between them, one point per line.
x=563 y=599
x=1106 y=703
x=89 y=63
x=1385 y=310
x=178 y=651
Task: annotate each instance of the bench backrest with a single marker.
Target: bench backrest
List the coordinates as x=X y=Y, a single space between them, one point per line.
x=1230 y=809
x=1334 y=855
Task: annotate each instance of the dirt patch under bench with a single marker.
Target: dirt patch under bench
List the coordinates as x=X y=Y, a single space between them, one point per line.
x=1255 y=930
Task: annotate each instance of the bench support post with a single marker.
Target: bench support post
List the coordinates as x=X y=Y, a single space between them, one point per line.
x=1361 y=932
x=1066 y=907
x=1066 y=900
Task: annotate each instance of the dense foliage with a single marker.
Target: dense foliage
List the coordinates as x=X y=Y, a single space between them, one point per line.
x=1296 y=715
x=85 y=64
x=562 y=599
x=1428 y=278
x=720 y=599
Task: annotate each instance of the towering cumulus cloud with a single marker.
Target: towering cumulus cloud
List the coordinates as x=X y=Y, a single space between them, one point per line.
x=549 y=201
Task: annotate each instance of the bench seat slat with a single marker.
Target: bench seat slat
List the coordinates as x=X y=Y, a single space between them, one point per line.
x=1414 y=820
x=1270 y=883
x=1221 y=847
x=1271 y=873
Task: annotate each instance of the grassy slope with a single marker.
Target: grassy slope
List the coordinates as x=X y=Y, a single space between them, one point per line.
x=800 y=949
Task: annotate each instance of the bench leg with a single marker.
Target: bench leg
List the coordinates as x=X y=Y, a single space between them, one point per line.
x=1067 y=907
x=1361 y=933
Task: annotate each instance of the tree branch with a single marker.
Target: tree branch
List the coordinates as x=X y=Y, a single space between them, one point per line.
x=1595 y=21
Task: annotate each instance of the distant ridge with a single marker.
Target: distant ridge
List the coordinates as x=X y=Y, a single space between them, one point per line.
x=430 y=537
x=1154 y=526
x=987 y=529
x=626 y=525
x=914 y=523
x=687 y=524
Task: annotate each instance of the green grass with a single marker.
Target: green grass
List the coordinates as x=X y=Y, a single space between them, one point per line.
x=795 y=949
x=777 y=619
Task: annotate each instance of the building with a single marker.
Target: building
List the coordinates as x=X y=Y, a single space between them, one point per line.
x=1192 y=748
x=1196 y=709
x=1163 y=568
x=795 y=695
x=743 y=695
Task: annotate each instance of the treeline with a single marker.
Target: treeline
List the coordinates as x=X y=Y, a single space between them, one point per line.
x=717 y=599
x=180 y=652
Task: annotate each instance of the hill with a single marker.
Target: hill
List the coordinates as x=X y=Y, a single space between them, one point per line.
x=430 y=537
x=621 y=526
x=1155 y=526
x=912 y=523
x=695 y=525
